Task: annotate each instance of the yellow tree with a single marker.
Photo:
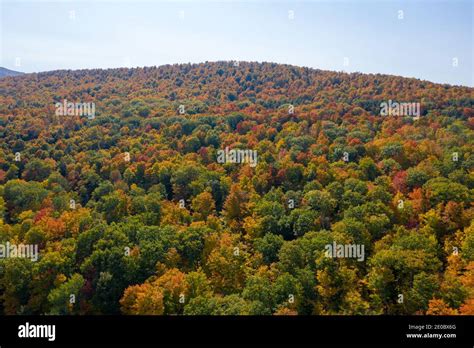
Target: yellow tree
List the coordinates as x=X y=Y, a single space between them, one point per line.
x=203 y=205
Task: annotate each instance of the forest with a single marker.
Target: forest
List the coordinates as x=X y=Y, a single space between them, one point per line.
x=132 y=212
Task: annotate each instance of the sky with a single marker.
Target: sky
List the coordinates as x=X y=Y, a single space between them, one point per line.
x=430 y=40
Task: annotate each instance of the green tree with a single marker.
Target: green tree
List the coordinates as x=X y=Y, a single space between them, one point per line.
x=65 y=298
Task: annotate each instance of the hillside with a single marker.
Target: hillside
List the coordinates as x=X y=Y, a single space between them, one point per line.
x=138 y=205
x=7 y=72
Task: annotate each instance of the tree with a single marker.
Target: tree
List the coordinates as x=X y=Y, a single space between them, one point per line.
x=114 y=206
x=15 y=279
x=20 y=195
x=368 y=168
x=441 y=190
x=144 y=299
x=226 y=265
x=235 y=205
x=65 y=298
x=269 y=246
x=398 y=258
x=439 y=307
x=38 y=170
x=203 y=205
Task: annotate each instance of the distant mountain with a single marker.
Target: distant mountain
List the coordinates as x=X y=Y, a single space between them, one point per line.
x=7 y=72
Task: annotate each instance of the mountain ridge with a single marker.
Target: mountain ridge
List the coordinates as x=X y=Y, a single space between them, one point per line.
x=231 y=64
x=4 y=72
x=243 y=87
